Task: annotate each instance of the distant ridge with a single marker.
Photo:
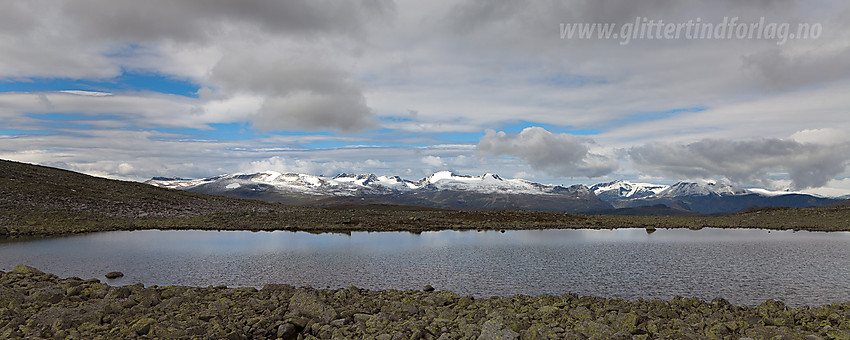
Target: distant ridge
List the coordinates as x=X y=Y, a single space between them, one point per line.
x=445 y=189
x=442 y=189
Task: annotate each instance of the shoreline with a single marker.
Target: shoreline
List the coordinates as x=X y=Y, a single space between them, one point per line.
x=14 y=234
x=349 y=231
x=35 y=304
x=315 y=220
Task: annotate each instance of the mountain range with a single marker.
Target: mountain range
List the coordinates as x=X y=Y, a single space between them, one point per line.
x=38 y=201
x=448 y=190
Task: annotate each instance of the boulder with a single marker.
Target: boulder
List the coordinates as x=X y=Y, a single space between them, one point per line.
x=494 y=329
x=287 y=331
x=307 y=303
x=24 y=269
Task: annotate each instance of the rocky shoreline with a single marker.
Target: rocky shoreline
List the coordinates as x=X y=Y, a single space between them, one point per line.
x=38 y=305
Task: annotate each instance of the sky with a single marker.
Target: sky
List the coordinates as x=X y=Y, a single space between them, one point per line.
x=195 y=88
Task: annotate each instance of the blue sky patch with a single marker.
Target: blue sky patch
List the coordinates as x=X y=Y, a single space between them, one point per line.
x=127 y=82
x=16 y=132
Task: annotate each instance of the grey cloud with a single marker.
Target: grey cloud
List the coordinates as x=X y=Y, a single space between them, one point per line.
x=74 y=39
x=560 y=155
x=745 y=162
x=270 y=74
x=778 y=71
x=199 y=19
x=314 y=111
x=298 y=94
x=539 y=19
x=280 y=51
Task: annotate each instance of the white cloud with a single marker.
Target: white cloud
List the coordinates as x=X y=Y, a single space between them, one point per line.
x=827 y=136
x=433 y=161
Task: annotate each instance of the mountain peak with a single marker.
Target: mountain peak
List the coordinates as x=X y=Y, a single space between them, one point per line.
x=622 y=189
x=706 y=188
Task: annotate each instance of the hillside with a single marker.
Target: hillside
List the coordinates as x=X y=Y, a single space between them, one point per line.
x=47 y=188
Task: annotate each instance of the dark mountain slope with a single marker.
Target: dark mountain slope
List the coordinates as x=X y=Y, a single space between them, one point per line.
x=40 y=187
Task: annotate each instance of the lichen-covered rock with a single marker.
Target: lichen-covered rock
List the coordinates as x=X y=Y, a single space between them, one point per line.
x=494 y=329
x=142 y=326
x=306 y=302
x=24 y=269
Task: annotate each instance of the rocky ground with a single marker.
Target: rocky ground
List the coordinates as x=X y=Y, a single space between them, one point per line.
x=38 y=305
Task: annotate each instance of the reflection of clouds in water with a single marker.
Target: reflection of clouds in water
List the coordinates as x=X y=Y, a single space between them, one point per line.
x=261 y=242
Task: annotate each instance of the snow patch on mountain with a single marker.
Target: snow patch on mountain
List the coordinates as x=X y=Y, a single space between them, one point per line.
x=625 y=189
x=682 y=189
x=353 y=184
x=488 y=183
x=771 y=193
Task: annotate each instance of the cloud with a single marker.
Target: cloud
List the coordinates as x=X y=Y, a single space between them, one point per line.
x=745 y=162
x=557 y=154
x=302 y=166
x=299 y=94
x=827 y=136
x=433 y=161
x=196 y=20
x=312 y=111
x=289 y=53
x=781 y=70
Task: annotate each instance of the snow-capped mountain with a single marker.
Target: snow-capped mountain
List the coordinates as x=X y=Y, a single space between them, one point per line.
x=626 y=190
x=349 y=184
x=445 y=189
x=703 y=197
x=683 y=189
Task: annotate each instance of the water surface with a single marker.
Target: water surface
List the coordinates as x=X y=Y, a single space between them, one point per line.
x=743 y=266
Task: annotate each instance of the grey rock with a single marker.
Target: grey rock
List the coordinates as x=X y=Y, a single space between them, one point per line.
x=306 y=302
x=24 y=269
x=362 y=318
x=494 y=329
x=287 y=331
